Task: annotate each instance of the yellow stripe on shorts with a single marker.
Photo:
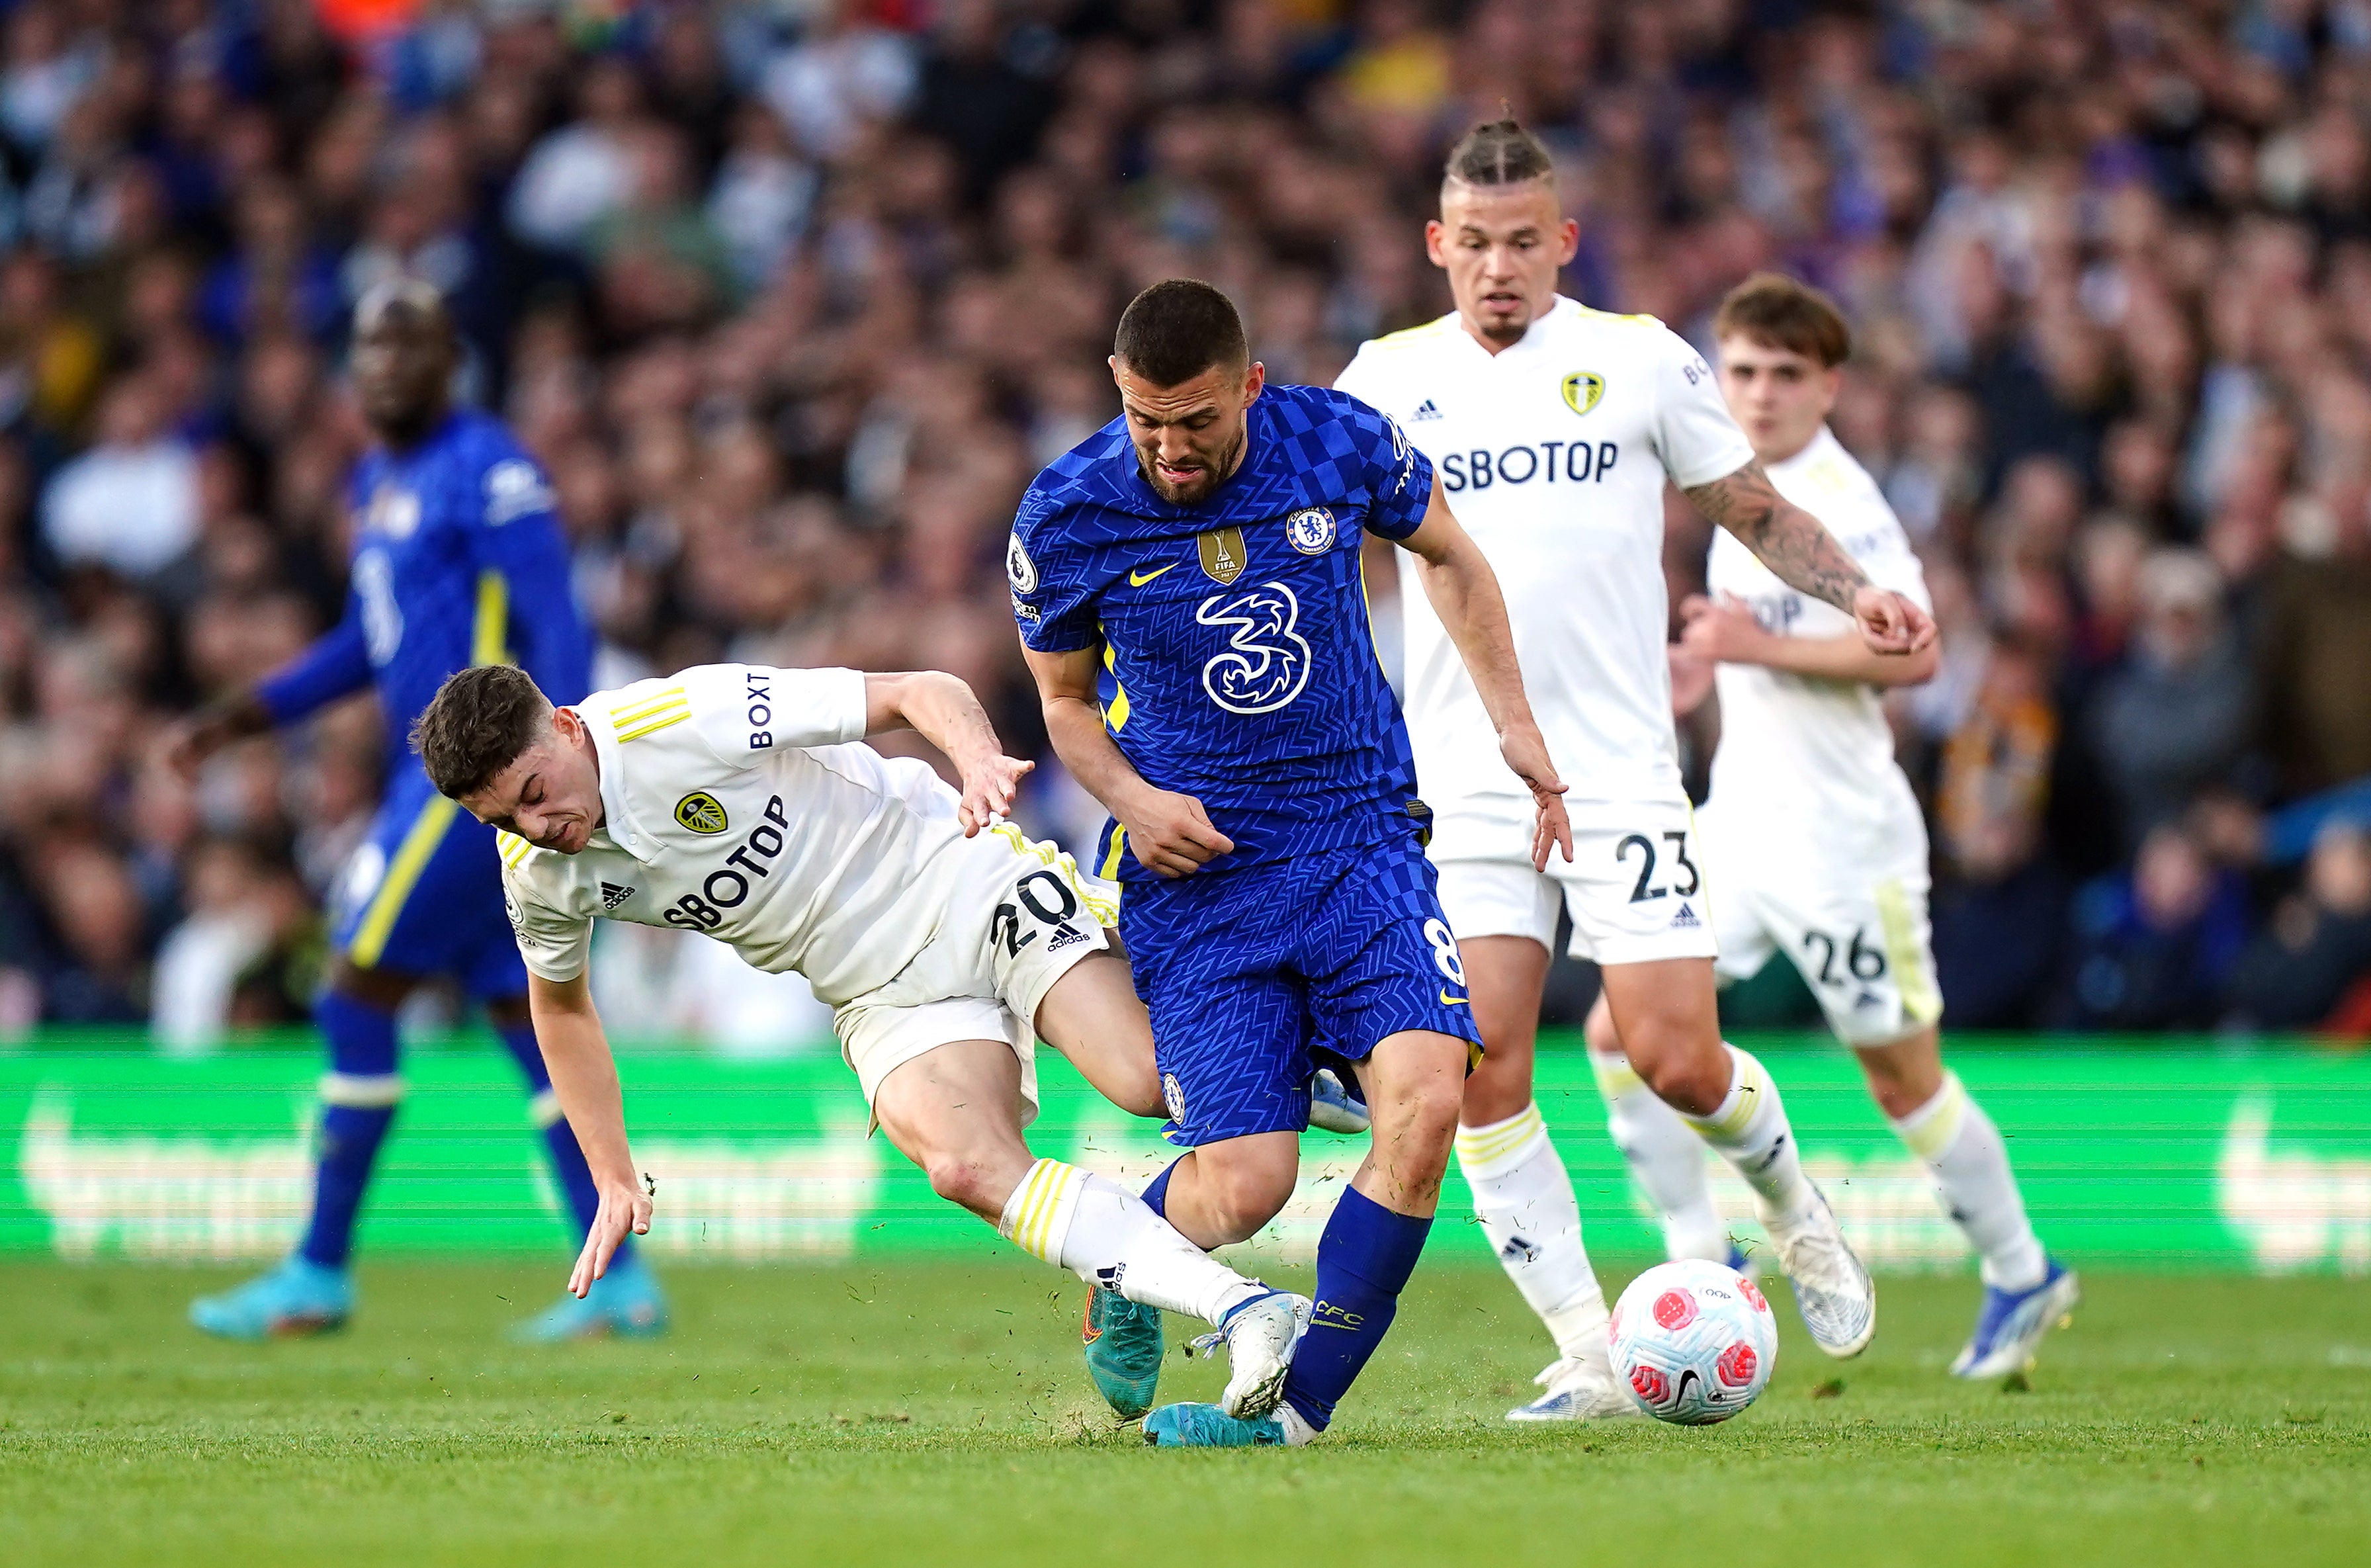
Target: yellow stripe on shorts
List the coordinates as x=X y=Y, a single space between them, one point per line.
x=403 y=876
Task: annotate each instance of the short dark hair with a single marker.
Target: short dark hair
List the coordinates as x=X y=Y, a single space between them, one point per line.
x=1500 y=153
x=1780 y=312
x=477 y=725
x=1177 y=328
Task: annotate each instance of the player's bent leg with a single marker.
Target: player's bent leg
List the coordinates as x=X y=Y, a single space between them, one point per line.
x=1665 y=1156
x=1223 y=1193
x=1665 y=1017
x=312 y=1292
x=956 y=1111
x=1092 y=1016
x=2026 y=1291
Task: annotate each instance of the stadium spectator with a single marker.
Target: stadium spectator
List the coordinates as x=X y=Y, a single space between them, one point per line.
x=2169 y=723
x=2152 y=946
x=2297 y=974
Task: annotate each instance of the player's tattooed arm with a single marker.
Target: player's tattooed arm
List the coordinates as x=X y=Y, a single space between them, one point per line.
x=943 y=711
x=1798 y=549
x=585 y=1075
x=1169 y=833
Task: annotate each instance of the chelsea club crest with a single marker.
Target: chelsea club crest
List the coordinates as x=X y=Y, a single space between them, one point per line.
x=1311 y=531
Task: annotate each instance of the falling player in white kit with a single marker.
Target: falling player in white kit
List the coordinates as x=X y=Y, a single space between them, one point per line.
x=1554 y=428
x=739 y=801
x=1812 y=835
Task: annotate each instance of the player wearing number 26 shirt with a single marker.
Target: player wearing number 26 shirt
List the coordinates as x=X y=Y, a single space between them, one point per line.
x=1186 y=584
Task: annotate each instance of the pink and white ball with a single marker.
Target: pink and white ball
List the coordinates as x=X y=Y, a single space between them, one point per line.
x=1695 y=1341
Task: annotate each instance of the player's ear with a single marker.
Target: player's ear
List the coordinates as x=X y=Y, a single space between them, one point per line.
x=1567 y=242
x=1435 y=236
x=1254 y=379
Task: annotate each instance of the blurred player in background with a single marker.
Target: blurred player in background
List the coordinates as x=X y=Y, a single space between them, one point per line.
x=1554 y=428
x=458 y=561
x=1812 y=833
x=738 y=801
x=1186 y=583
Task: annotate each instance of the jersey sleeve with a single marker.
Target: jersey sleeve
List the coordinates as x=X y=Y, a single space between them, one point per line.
x=526 y=601
x=553 y=944
x=337 y=665
x=1053 y=595
x=1694 y=436
x=1398 y=478
x=747 y=711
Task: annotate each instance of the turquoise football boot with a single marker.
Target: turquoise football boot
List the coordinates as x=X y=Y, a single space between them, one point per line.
x=297 y=1299
x=1122 y=1338
x=1208 y=1426
x=625 y=1303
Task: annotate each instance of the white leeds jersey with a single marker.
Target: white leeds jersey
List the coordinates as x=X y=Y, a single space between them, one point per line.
x=1553 y=454
x=739 y=803
x=1798 y=752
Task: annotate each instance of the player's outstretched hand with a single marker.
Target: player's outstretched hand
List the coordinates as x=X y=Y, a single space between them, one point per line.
x=989 y=787
x=1526 y=751
x=1170 y=833
x=623 y=1208
x=1890 y=623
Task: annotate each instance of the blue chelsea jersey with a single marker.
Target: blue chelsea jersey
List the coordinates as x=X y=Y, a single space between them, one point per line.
x=1239 y=662
x=458 y=561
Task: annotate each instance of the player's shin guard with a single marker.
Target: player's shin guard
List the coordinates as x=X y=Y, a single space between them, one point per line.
x=568 y=1164
x=359 y=1095
x=1963 y=1151
x=1364 y=1260
x=1749 y=1129
x=1524 y=1196
x=1097 y=1230
x=1666 y=1158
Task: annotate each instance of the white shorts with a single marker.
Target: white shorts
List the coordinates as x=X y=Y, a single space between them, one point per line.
x=1020 y=915
x=1854 y=922
x=1635 y=888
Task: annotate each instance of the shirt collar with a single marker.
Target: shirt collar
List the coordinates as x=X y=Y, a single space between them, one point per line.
x=617 y=823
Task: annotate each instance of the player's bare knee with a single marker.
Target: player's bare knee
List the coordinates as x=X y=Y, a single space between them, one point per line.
x=1692 y=1082
x=964 y=1178
x=1239 y=1197
x=1602 y=1036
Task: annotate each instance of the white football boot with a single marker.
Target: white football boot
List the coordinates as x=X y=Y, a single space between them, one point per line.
x=1579 y=1387
x=1260 y=1336
x=1833 y=1293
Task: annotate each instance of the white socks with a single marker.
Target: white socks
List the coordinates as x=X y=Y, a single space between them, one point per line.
x=1749 y=1129
x=1524 y=1198
x=1104 y=1234
x=1964 y=1150
x=1666 y=1158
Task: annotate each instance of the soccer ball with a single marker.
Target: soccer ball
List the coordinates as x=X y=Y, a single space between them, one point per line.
x=1695 y=1341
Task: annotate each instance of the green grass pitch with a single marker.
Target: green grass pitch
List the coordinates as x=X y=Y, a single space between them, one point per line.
x=936 y=1413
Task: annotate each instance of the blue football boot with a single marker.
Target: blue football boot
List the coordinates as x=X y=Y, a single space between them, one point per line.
x=2011 y=1324
x=1208 y=1426
x=297 y=1299
x=625 y=1303
x=1122 y=1338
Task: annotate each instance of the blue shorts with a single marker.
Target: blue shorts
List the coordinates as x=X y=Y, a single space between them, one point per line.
x=424 y=896
x=1248 y=972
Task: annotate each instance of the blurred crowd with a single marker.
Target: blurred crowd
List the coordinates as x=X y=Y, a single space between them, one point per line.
x=792 y=296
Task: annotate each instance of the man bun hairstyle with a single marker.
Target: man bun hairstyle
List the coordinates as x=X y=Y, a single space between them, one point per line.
x=477 y=725
x=1780 y=312
x=1176 y=330
x=1500 y=153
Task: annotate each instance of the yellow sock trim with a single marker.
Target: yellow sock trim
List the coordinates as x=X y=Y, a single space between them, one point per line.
x=1934 y=1127
x=1485 y=1147
x=1031 y=1217
x=1615 y=1076
x=1745 y=1099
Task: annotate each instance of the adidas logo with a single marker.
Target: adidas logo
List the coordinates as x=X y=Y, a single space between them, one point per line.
x=1517 y=1250
x=1685 y=920
x=1066 y=936
x=1426 y=410
x=613 y=895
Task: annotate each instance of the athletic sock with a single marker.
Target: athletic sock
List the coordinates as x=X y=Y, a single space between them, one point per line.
x=1156 y=1191
x=1094 y=1227
x=568 y=1164
x=1364 y=1258
x=1963 y=1151
x=359 y=1095
x=1666 y=1158
x=1524 y=1196
x=1749 y=1129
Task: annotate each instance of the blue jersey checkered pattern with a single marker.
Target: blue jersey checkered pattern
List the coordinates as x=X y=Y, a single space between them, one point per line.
x=1239 y=667
x=458 y=561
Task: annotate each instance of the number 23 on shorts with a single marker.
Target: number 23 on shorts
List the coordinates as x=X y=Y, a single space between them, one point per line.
x=1642 y=848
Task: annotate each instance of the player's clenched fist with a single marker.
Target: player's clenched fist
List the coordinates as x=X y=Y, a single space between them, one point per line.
x=1891 y=622
x=624 y=1207
x=1170 y=833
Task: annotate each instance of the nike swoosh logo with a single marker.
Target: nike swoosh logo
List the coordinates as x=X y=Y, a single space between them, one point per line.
x=1448 y=1001
x=1138 y=579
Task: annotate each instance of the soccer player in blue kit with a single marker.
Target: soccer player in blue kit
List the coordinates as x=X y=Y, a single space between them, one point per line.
x=458 y=561
x=1187 y=587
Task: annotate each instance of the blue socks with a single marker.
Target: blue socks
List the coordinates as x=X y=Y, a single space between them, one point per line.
x=359 y=1095
x=559 y=1139
x=1156 y=1195
x=1364 y=1260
